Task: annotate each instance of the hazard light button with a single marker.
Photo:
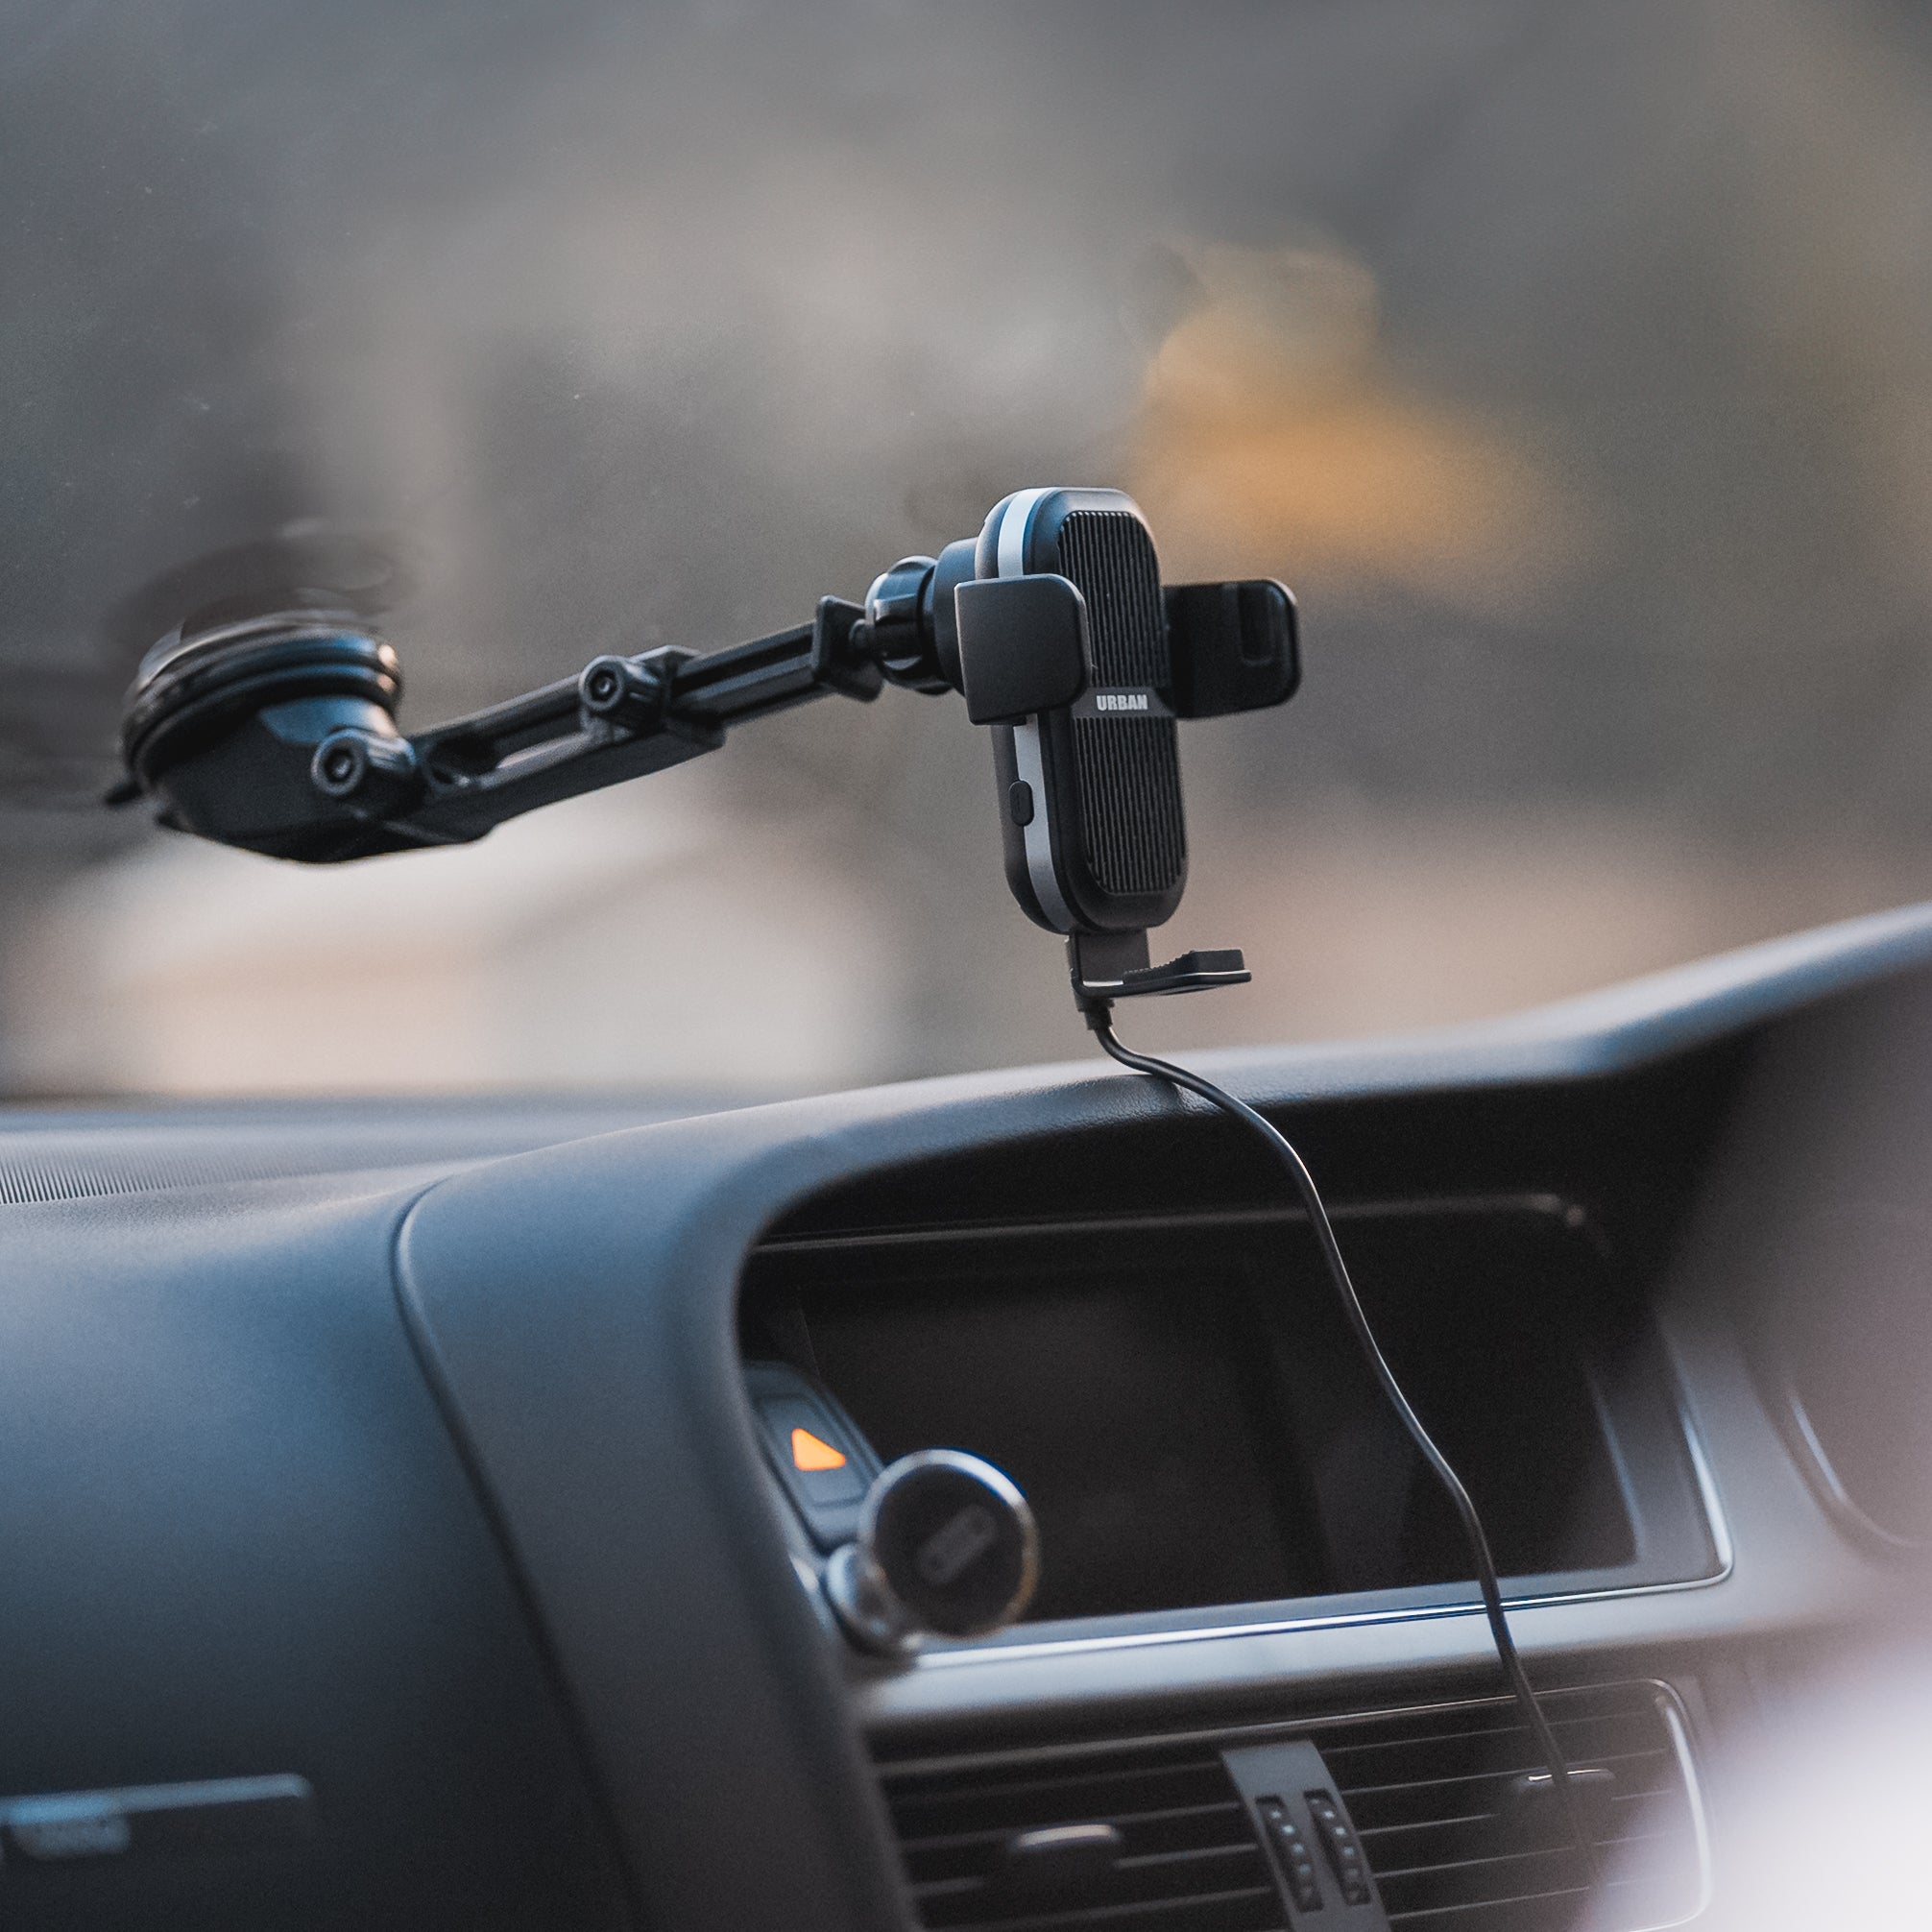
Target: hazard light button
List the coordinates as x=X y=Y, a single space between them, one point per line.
x=811 y=1448
x=824 y=1463
x=812 y=1455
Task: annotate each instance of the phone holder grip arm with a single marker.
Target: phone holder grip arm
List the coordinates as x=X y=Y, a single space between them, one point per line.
x=1234 y=647
x=1024 y=646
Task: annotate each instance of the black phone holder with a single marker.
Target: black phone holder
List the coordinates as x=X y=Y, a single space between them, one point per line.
x=275 y=731
x=1024 y=646
x=1026 y=652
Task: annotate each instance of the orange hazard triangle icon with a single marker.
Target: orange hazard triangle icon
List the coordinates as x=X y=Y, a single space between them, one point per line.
x=808 y=1452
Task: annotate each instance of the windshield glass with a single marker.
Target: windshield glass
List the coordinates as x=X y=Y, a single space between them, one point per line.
x=1573 y=363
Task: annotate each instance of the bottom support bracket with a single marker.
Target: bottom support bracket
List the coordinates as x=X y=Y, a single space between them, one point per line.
x=1110 y=966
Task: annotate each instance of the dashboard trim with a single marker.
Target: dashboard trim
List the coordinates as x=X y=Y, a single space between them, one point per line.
x=1052 y=1647
x=1240 y=1733
x=1814 y=1460
x=1672 y=1712
x=1530 y=1201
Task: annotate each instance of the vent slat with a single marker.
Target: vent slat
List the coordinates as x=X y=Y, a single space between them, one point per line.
x=1150 y=1883
x=1375 y=1806
x=948 y=1888
x=1494 y=1880
x=1201 y=1829
x=1391 y=1875
x=1532 y=1914
x=1250 y=1909
x=1161 y=1873
x=1063 y=1800
x=1154 y=1861
x=1586 y=1743
x=1634 y=1904
x=1491 y=1773
x=1228 y=1809
x=1396 y=1845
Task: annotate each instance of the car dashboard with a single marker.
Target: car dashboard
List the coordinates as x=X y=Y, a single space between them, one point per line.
x=401 y=1528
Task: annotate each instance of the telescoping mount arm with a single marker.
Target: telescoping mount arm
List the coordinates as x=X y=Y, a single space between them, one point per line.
x=277 y=732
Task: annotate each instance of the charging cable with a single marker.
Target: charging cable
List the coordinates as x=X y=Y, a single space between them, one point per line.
x=1101 y=1020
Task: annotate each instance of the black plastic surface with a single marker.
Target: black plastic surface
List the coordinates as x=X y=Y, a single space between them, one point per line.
x=240 y=1543
x=1318 y=1860
x=1235 y=648
x=1022 y=646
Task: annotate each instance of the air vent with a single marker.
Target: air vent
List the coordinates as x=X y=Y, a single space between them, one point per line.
x=1436 y=1796
x=1453 y=1845
x=1185 y=1861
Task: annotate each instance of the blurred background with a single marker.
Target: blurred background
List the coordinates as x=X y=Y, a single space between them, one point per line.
x=1571 y=361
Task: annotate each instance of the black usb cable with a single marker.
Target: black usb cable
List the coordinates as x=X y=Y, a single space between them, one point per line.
x=1100 y=1018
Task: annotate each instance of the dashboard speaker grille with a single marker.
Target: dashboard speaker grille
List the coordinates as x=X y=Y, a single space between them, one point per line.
x=1433 y=1791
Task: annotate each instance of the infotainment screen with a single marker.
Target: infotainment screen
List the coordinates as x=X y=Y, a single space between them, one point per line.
x=1194 y=1425
x=1138 y=1412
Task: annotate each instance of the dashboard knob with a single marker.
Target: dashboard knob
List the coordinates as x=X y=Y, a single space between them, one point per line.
x=947 y=1547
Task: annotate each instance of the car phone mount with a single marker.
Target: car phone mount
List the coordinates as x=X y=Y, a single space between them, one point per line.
x=275 y=731
x=946 y=1547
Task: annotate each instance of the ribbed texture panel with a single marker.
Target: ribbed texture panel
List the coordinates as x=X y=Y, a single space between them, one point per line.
x=1128 y=768
x=1429 y=1791
x=1189 y=1861
x=1108 y=554
x=1130 y=789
